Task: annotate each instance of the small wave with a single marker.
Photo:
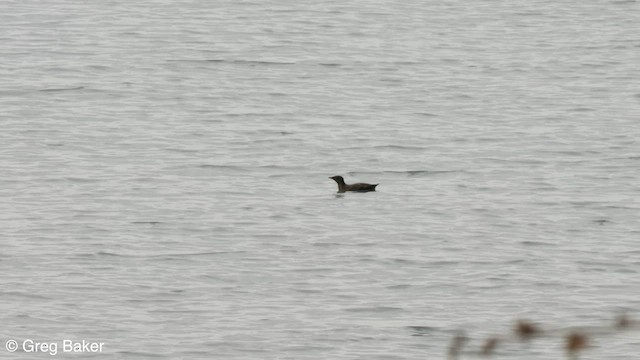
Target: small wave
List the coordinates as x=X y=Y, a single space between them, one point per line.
x=571 y=152
x=621 y=207
x=164 y=256
x=515 y=261
x=205 y=253
x=236 y=62
x=23 y=295
x=407 y=63
x=443 y=263
x=429 y=172
x=407 y=172
x=529 y=13
x=251 y=62
x=422 y=330
x=62 y=89
x=400 y=147
x=106 y=253
x=226 y=167
x=584 y=203
x=536 y=243
x=601 y=221
x=518 y=161
x=327 y=244
x=139 y=354
x=260 y=115
x=184 y=151
x=308 y=291
x=99 y=67
x=81 y=180
x=404 y=261
x=280 y=167
x=13 y=92
x=398 y=287
x=313 y=270
x=376 y=309
x=387 y=147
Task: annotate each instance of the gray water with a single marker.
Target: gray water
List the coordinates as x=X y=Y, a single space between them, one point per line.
x=165 y=171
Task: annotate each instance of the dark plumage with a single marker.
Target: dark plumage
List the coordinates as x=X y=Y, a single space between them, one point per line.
x=359 y=187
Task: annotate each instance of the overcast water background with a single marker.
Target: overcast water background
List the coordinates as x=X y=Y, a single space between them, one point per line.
x=165 y=171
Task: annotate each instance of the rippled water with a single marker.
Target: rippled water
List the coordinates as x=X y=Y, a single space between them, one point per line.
x=165 y=175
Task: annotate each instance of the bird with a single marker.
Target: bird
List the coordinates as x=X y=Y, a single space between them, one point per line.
x=575 y=342
x=526 y=330
x=359 y=187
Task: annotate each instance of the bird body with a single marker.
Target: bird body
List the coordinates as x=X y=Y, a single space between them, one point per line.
x=359 y=187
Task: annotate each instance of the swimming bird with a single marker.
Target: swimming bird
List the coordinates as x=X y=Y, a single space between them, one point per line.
x=359 y=187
